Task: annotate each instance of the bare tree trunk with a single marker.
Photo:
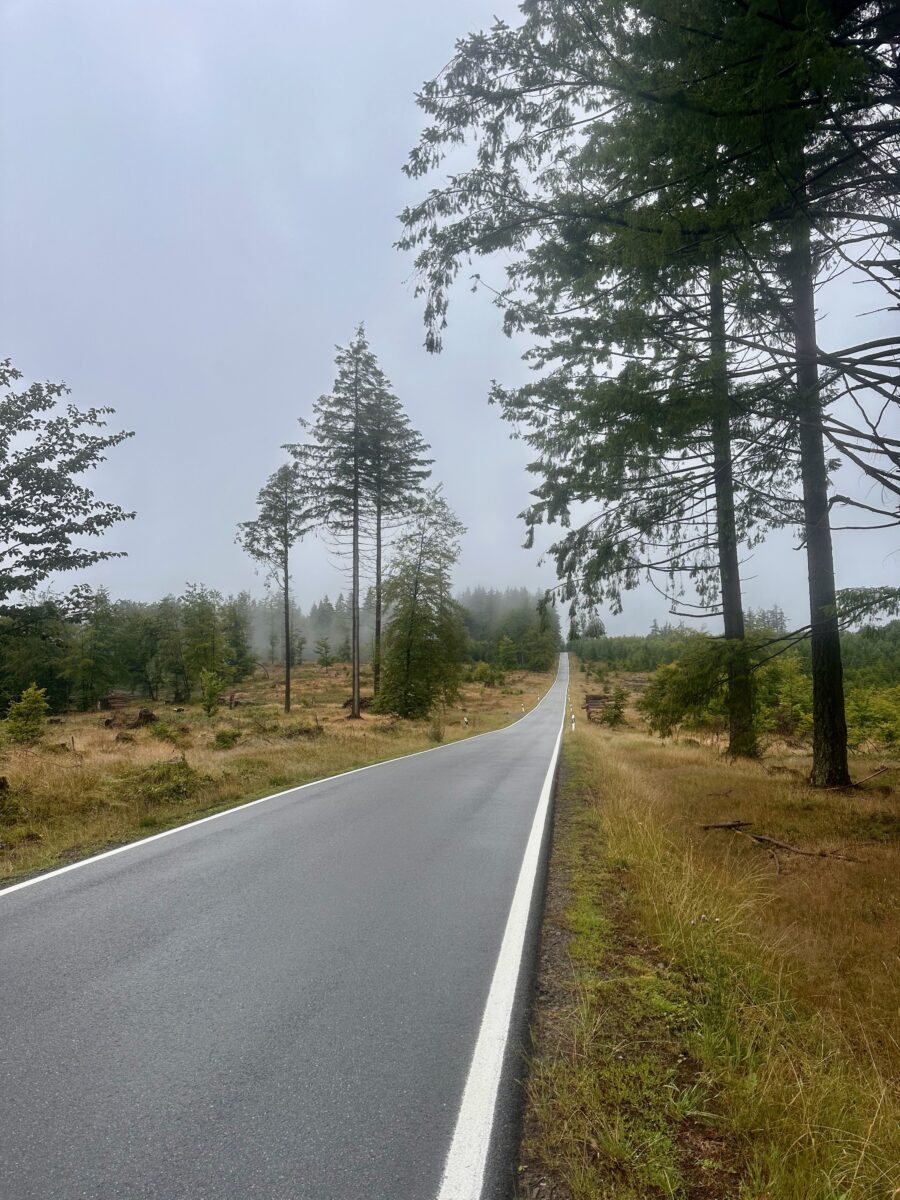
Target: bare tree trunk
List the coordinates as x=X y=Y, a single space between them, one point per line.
x=354 y=615
x=376 y=656
x=286 y=584
x=741 y=732
x=830 y=768
x=354 y=591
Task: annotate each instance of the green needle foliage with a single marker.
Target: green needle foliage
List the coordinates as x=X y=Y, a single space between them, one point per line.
x=667 y=187
x=27 y=716
x=323 y=653
x=425 y=640
x=211 y=686
x=284 y=517
x=397 y=472
x=365 y=466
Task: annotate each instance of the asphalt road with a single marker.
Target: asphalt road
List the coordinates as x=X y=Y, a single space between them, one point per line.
x=282 y=1002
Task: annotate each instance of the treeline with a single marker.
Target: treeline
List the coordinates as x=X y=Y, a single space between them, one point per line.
x=663 y=644
x=325 y=622
x=665 y=197
x=682 y=694
x=512 y=628
x=80 y=647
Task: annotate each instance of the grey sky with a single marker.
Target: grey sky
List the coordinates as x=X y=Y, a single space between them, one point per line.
x=198 y=200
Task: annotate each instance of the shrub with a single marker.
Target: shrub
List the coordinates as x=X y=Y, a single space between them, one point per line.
x=165 y=732
x=225 y=739
x=162 y=783
x=309 y=732
x=27 y=716
x=436 y=728
x=488 y=674
x=614 y=713
x=688 y=690
x=262 y=722
x=873 y=717
x=11 y=812
x=211 y=685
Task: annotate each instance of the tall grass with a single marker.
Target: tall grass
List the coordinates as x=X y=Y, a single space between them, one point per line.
x=815 y=1110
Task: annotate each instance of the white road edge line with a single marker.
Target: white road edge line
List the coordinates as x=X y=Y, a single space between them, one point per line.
x=301 y=787
x=464 y=1168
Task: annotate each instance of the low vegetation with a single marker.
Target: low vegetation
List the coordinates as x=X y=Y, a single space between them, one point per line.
x=719 y=986
x=687 y=690
x=81 y=782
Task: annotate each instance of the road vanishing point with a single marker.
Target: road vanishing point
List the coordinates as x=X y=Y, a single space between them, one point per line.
x=321 y=995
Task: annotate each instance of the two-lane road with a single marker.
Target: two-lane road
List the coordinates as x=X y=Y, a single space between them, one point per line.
x=305 y=998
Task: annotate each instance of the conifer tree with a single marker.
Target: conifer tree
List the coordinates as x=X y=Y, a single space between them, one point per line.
x=397 y=472
x=284 y=517
x=655 y=441
x=323 y=653
x=334 y=462
x=425 y=637
x=365 y=464
x=203 y=636
x=610 y=133
x=239 y=657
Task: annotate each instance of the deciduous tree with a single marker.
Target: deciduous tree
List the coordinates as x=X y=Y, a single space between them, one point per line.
x=46 y=511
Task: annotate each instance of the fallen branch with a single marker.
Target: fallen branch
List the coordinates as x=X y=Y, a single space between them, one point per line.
x=859 y=782
x=762 y=840
x=772 y=844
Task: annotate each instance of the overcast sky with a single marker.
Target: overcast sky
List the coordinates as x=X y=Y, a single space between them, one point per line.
x=198 y=201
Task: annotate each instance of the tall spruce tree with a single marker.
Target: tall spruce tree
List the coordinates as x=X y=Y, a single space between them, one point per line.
x=601 y=286
x=365 y=465
x=284 y=517
x=750 y=92
x=334 y=462
x=776 y=87
x=396 y=473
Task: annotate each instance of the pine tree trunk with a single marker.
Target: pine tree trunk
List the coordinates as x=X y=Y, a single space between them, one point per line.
x=741 y=732
x=829 y=767
x=376 y=658
x=354 y=615
x=354 y=591
x=287 y=634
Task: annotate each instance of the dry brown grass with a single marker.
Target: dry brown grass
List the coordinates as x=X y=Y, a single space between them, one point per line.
x=790 y=962
x=837 y=922
x=83 y=788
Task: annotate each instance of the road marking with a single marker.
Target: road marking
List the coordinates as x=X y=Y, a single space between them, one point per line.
x=301 y=787
x=464 y=1169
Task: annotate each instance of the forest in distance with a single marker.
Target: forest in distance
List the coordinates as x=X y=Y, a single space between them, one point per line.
x=80 y=649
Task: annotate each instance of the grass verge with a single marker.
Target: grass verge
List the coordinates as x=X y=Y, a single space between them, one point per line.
x=699 y=1031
